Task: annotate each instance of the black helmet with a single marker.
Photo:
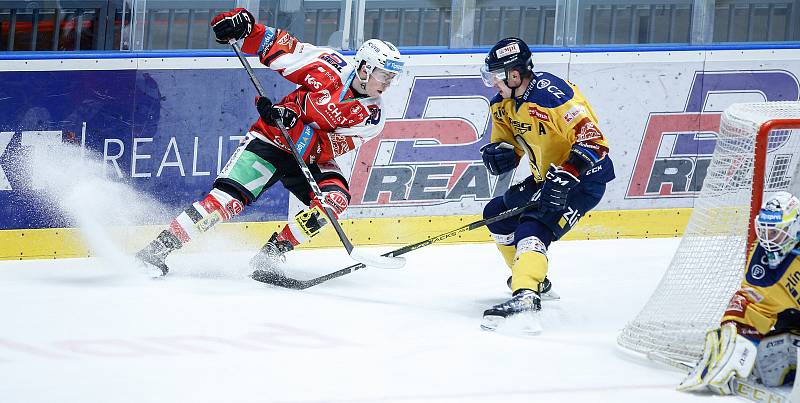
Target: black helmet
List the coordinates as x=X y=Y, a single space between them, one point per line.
x=507 y=54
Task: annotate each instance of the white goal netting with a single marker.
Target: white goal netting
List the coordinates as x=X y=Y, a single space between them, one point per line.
x=709 y=264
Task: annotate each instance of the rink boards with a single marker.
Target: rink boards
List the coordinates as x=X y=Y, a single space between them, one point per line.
x=166 y=123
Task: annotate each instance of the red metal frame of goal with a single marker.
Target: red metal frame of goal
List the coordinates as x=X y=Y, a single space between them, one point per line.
x=759 y=168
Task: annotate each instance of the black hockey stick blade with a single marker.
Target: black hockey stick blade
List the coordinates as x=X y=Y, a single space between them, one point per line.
x=276 y=278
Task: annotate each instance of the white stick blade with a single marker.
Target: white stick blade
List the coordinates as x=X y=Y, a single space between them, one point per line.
x=381 y=262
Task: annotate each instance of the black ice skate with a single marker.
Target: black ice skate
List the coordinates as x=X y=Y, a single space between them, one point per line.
x=523 y=308
x=547 y=293
x=270 y=257
x=156 y=252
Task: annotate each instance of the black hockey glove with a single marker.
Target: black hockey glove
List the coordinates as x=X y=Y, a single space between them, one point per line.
x=555 y=189
x=270 y=113
x=499 y=157
x=235 y=24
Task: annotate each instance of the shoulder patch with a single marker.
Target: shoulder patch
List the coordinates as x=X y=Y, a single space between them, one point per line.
x=548 y=90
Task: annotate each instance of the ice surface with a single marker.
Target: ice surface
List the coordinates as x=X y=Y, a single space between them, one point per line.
x=90 y=330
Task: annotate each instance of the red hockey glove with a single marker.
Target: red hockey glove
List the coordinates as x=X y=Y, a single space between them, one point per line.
x=270 y=113
x=235 y=24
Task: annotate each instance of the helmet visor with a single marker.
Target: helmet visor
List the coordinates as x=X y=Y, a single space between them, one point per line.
x=490 y=77
x=385 y=77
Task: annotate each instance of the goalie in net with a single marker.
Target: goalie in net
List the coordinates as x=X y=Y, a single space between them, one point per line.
x=756 y=335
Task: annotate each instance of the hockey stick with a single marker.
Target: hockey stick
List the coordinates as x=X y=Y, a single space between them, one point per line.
x=747 y=389
x=279 y=279
x=364 y=258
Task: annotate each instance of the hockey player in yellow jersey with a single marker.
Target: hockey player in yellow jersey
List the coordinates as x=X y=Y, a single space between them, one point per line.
x=547 y=121
x=754 y=339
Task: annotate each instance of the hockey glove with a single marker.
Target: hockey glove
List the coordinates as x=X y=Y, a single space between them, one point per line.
x=499 y=158
x=235 y=24
x=726 y=354
x=270 y=113
x=555 y=189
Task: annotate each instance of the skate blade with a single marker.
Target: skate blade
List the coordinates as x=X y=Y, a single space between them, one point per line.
x=492 y=322
x=550 y=296
x=528 y=323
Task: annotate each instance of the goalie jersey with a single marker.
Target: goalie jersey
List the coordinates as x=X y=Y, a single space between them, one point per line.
x=551 y=120
x=765 y=293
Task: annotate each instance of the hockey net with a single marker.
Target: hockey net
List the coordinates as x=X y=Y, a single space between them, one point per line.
x=709 y=264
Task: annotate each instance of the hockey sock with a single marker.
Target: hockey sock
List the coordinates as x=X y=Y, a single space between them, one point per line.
x=505 y=244
x=216 y=207
x=530 y=264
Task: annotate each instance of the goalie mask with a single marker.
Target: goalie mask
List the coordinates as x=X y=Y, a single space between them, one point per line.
x=777 y=226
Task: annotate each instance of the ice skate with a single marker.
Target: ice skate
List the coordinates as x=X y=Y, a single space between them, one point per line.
x=523 y=308
x=271 y=257
x=547 y=293
x=154 y=254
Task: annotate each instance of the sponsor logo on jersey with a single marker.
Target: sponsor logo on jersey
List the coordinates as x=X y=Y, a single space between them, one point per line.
x=573 y=112
x=266 y=43
x=544 y=84
x=757 y=272
x=520 y=127
x=325 y=97
x=374 y=115
x=586 y=130
x=335 y=114
x=538 y=114
x=752 y=294
x=312 y=82
x=334 y=60
x=499 y=113
x=511 y=49
x=284 y=40
x=737 y=305
x=339 y=144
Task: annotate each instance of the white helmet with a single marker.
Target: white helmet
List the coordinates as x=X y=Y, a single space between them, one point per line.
x=379 y=54
x=777 y=226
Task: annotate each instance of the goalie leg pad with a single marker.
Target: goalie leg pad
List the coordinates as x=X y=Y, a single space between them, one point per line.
x=726 y=354
x=776 y=360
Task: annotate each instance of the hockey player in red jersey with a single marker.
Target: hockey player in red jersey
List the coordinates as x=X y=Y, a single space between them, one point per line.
x=335 y=109
x=546 y=119
x=758 y=331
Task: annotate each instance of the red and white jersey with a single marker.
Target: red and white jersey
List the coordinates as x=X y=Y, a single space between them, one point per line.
x=334 y=119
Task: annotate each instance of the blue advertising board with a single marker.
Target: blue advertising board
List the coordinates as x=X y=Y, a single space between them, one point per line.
x=166 y=132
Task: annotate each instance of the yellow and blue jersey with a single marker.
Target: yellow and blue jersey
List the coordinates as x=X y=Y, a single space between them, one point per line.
x=765 y=292
x=554 y=124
